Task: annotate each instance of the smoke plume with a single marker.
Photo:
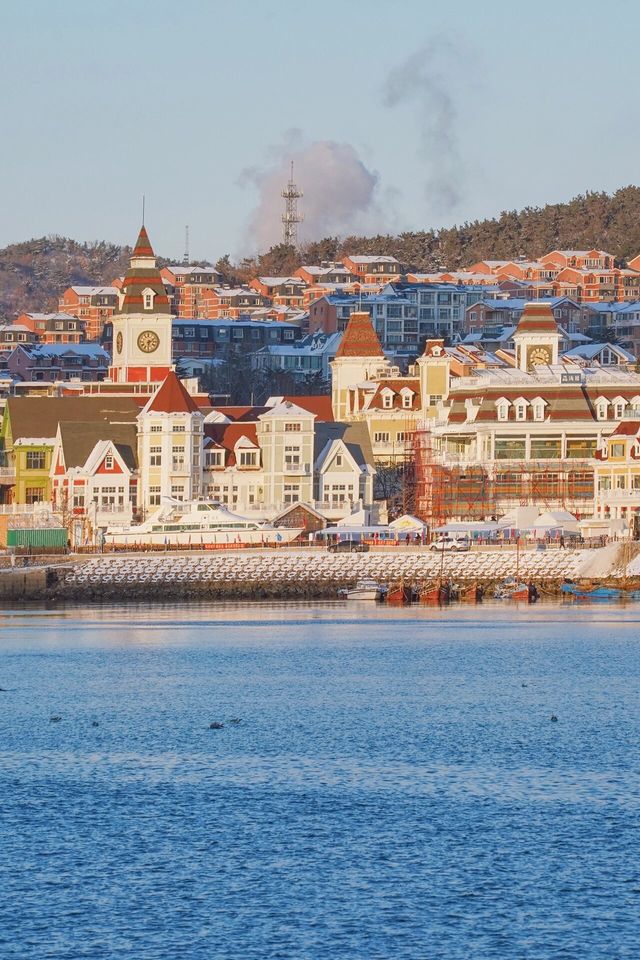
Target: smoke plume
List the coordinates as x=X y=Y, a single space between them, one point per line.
x=341 y=194
x=424 y=81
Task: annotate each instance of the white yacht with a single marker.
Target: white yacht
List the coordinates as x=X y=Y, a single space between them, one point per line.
x=363 y=590
x=198 y=523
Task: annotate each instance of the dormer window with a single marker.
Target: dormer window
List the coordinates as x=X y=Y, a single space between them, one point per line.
x=407 y=399
x=601 y=409
x=147 y=298
x=538 y=410
x=521 y=411
x=108 y=462
x=387 y=400
x=619 y=409
x=503 y=410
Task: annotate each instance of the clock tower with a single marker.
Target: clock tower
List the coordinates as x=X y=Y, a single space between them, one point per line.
x=142 y=325
x=537 y=337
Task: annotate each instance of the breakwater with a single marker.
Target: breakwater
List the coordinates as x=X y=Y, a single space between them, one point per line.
x=300 y=574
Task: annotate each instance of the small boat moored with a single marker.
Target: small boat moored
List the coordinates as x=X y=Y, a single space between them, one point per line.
x=363 y=590
x=512 y=589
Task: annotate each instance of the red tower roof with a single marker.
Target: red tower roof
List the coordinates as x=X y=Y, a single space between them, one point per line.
x=359 y=338
x=172 y=397
x=537 y=318
x=143 y=247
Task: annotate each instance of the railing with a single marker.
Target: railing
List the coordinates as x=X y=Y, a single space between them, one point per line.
x=7 y=473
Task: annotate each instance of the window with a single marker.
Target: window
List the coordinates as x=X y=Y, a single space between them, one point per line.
x=156 y=428
x=291 y=493
x=35 y=460
x=503 y=411
x=248 y=458
x=179 y=428
x=387 y=400
x=148 y=301
x=538 y=411
x=189 y=332
x=213 y=458
x=338 y=460
x=621 y=482
x=381 y=437
x=108 y=462
x=292 y=427
x=78 y=500
x=177 y=490
x=407 y=400
x=601 y=410
x=619 y=411
x=155 y=456
x=616 y=450
x=521 y=411
x=34 y=495
x=291 y=456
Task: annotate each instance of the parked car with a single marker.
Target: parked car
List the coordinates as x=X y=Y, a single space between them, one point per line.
x=348 y=546
x=451 y=543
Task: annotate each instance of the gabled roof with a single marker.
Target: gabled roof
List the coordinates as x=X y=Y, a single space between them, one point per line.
x=80 y=439
x=227 y=435
x=40 y=416
x=359 y=338
x=171 y=397
x=355 y=437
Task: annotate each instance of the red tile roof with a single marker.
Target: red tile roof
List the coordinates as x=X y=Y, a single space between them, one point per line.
x=537 y=318
x=172 y=397
x=226 y=435
x=319 y=405
x=628 y=428
x=359 y=339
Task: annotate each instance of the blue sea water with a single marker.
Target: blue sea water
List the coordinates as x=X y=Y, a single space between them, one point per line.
x=395 y=788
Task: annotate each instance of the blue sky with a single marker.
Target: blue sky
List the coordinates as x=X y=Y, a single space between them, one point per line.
x=431 y=113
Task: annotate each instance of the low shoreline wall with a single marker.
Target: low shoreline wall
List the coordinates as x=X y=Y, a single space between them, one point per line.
x=301 y=575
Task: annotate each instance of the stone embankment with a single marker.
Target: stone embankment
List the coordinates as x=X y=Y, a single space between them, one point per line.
x=297 y=574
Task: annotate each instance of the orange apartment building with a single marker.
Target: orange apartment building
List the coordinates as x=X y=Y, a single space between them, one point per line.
x=281 y=291
x=93 y=305
x=189 y=288
x=53 y=327
x=325 y=274
x=374 y=269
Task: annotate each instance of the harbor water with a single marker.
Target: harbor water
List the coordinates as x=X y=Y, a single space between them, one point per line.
x=378 y=783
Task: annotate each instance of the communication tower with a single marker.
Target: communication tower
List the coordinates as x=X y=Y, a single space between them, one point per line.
x=185 y=259
x=291 y=217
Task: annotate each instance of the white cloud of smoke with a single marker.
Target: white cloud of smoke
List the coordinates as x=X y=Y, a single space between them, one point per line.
x=342 y=195
x=424 y=81
x=340 y=192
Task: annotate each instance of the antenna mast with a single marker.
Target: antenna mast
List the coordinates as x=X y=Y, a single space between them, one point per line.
x=291 y=217
x=185 y=259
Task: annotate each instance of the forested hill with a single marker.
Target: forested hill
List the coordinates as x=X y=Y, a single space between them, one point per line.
x=607 y=222
x=34 y=273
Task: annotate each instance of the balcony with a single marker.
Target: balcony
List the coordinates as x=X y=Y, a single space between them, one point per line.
x=7 y=475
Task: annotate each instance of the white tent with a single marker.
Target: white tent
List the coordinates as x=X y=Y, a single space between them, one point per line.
x=407 y=524
x=554 y=521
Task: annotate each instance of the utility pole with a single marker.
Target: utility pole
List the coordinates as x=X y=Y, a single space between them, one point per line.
x=291 y=217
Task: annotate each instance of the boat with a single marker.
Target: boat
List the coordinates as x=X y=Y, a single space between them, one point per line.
x=576 y=592
x=198 y=523
x=363 y=590
x=437 y=595
x=471 y=594
x=513 y=589
x=400 y=594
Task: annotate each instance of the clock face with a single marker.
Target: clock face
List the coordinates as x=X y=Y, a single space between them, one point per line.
x=539 y=355
x=119 y=343
x=148 y=341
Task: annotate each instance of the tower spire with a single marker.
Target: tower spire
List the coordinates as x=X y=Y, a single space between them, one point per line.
x=291 y=217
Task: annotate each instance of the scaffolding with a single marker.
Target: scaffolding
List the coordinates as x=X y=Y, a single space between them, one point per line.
x=449 y=486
